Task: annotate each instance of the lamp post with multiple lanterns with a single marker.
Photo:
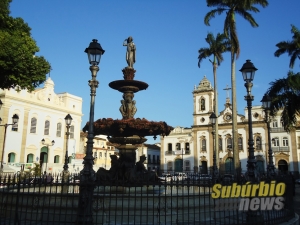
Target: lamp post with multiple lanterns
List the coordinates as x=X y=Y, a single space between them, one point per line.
x=213 y=120
x=266 y=101
x=87 y=175
x=44 y=143
x=248 y=71
x=15 y=120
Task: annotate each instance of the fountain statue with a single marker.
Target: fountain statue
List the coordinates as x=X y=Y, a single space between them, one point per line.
x=128 y=133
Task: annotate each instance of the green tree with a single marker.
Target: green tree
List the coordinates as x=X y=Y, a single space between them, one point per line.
x=233 y=8
x=285 y=94
x=291 y=47
x=217 y=46
x=19 y=66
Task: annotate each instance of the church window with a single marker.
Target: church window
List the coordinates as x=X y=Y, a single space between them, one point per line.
x=58 y=130
x=202 y=102
x=33 y=125
x=47 y=127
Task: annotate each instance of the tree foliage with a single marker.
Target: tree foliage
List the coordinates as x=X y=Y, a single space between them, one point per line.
x=233 y=8
x=217 y=46
x=291 y=47
x=285 y=95
x=19 y=66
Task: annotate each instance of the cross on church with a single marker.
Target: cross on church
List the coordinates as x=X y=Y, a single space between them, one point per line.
x=227 y=90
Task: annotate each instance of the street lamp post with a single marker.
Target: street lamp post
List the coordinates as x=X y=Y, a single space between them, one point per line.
x=68 y=120
x=266 y=101
x=248 y=71
x=15 y=120
x=52 y=143
x=87 y=174
x=213 y=120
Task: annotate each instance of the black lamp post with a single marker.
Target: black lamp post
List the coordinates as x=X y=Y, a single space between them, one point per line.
x=15 y=120
x=87 y=175
x=68 y=120
x=248 y=71
x=213 y=119
x=266 y=101
x=44 y=143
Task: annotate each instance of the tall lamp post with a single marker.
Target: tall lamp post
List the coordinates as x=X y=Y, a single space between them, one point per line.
x=15 y=120
x=87 y=174
x=68 y=120
x=213 y=119
x=52 y=143
x=266 y=101
x=248 y=71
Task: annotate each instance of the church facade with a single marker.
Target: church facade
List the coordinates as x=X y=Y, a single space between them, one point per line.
x=41 y=117
x=191 y=149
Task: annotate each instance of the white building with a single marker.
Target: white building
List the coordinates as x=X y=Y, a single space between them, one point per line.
x=41 y=116
x=152 y=153
x=191 y=149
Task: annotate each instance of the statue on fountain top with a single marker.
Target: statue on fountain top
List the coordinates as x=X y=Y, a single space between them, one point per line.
x=130 y=53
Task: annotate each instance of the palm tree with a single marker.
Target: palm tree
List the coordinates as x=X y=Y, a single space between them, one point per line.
x=285 y=95
x=231 y=8
x=217 y=46
x=290 y=47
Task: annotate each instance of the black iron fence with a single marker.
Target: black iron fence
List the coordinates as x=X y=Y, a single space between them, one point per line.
x=193 y=199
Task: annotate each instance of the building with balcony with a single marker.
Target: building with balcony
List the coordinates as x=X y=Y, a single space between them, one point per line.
x=191 y=149
x=102 y=150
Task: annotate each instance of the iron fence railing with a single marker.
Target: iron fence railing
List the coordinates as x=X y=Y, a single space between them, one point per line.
x=34 y=200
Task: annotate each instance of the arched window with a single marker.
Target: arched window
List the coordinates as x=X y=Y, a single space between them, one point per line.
x=187 y=148
x=258 y=143
x=15 y=127
x=178 y=146
x=33 y=125
x=203 y=144
x=240 y=143
x=285 y=142
x=202 y=104
x=47 y=127
x=11 y=157
x=229 y=143
x=70 y=159
x=275 y=142
x=58 y=130
x=275 y=123
x=220 y=144
x=169 y=147
x=29 y=158
x=56 y=159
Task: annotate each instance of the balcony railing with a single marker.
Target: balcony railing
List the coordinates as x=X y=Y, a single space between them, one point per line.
x=169 y=152
x=280 y=149
x=276 y=129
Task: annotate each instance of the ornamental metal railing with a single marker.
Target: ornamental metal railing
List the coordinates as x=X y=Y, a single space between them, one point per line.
x=193 y=199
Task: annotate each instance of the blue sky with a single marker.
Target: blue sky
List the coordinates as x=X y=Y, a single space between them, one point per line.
x=168 y=35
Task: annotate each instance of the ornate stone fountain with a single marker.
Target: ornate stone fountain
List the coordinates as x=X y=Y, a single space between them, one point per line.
x=128 y=133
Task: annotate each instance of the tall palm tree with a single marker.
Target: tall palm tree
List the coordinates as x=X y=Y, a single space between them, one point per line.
x=217 y=46
x=291 y=47
x=231 y=8
x=285 y=94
